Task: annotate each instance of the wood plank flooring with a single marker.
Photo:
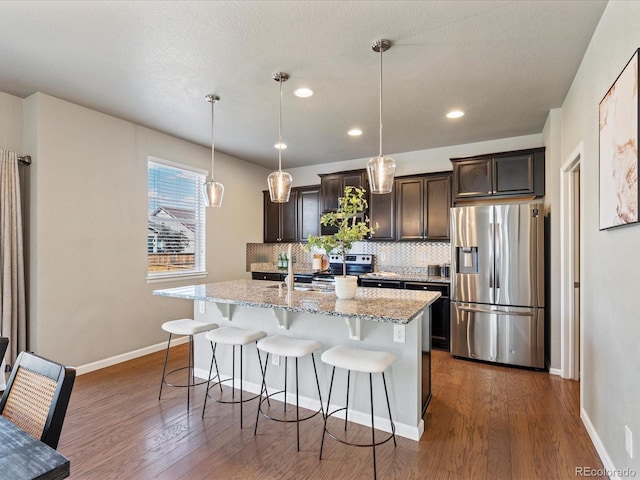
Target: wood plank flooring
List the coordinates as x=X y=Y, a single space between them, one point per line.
x=484 y=422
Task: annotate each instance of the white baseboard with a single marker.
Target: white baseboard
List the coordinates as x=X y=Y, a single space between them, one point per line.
x=382 y=423
x=610 y=469
x=555 y=371
x=108 y=362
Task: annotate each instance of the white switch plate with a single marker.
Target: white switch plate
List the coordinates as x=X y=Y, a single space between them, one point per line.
x=202 y=307
x=398 y=333
x=275 y=360
x=628 y=441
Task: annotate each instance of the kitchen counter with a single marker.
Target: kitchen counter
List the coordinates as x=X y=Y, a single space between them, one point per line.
x=376 y=304
x=406 y=277
x=301 y=269
x=395 y=321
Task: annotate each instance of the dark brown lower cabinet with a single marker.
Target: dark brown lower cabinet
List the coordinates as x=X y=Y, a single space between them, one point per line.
x=440 y=313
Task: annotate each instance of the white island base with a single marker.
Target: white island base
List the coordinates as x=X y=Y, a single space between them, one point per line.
x=306 y=315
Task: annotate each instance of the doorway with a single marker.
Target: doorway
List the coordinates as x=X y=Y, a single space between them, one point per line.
x=571 y=240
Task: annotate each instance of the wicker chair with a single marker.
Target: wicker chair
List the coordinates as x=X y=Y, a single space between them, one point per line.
x=37 y=396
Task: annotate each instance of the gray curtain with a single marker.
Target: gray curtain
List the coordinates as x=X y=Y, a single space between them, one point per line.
x=12 y=287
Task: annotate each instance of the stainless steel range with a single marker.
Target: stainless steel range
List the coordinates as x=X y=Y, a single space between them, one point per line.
x=356 y=264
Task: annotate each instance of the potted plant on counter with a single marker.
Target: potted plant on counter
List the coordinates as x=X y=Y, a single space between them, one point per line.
x=352 y=226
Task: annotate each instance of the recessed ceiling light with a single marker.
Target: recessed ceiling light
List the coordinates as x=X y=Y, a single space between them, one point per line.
x=354 y=132
x=281 y=146
x=303 y=92
x=455 y=114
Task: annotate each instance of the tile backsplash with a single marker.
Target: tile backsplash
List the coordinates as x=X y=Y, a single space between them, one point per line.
x=388 y=256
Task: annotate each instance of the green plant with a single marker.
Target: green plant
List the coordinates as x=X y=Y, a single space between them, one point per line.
x=350 y=206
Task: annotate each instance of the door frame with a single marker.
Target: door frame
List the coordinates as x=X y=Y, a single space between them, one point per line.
x=568 y=328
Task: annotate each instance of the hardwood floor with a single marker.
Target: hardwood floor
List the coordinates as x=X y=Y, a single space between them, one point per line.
x=484 y=422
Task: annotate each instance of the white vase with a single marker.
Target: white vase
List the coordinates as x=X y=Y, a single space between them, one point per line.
x=346 y=287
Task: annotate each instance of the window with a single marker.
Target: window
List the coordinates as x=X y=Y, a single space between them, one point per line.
x=176 y=220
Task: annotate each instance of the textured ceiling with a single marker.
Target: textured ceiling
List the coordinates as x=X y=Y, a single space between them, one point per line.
x=505 y=63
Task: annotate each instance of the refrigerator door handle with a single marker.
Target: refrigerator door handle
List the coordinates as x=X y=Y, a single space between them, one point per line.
x=495 y=311
x=491 y=270
x=498 y=255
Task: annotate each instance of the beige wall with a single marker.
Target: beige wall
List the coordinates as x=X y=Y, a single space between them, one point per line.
x=89 y=296
x=10 y=123
x=610 y=276
x=551 y=135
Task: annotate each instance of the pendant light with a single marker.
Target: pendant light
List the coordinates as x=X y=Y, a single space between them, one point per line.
x=212 y=190
x=381 y=169
x=280 y=182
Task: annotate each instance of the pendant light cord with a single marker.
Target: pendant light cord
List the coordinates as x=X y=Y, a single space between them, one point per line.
x=280 y=128
x=381 y=50
x=213 y=101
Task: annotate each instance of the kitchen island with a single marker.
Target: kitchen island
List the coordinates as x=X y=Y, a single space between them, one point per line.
x=396 y=321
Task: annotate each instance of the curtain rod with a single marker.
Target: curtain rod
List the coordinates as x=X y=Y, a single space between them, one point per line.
x=26 y=159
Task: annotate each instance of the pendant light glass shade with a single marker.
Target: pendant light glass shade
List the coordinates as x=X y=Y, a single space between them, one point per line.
x=381 y=169
x=279 y=181
x=212 y=191
x=279 y=186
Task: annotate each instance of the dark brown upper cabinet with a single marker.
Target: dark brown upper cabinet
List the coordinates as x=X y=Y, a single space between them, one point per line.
x=295 y=220
x=438 y=207
x=382 y=216
x=332 y=186
x=499 y=175
x=280 y=219
x=308 y=212
x=423 y=207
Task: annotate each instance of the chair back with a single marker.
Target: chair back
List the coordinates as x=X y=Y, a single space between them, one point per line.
x=4 y=343
x=37 y=396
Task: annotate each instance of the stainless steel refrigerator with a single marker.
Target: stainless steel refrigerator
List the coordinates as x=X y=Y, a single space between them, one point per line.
x=497 y=283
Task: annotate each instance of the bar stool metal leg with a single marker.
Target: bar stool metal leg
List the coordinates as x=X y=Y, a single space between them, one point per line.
x=324 y=430
x=386 y=394
x=373 y=431
x=164 y=368
x=263 y=387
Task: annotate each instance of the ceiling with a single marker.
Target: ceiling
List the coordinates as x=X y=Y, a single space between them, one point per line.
x=505 y=63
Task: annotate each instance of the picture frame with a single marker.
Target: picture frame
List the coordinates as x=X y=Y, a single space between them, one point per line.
x=618 y=150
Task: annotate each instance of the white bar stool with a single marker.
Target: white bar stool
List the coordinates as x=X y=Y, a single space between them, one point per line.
x=364 y=361
x=287 y=347
x=235 y=337
x=190 y=327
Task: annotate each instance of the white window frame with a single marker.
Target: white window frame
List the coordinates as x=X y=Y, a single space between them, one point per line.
x=199 y=271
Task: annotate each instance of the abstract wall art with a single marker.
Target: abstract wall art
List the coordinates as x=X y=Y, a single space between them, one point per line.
x=619 y=150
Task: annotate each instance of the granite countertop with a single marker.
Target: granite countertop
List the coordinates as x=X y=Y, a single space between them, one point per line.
x=376 y=304
x=298 y=268
x=405 y=276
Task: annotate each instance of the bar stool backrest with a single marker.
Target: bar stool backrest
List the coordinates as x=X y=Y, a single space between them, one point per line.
x=37 y=396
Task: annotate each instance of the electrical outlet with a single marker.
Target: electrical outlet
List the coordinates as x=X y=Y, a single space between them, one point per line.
x=398 y=333
x=275 y=360
x=202 y=307
x=423 y=257
x=628 y=441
